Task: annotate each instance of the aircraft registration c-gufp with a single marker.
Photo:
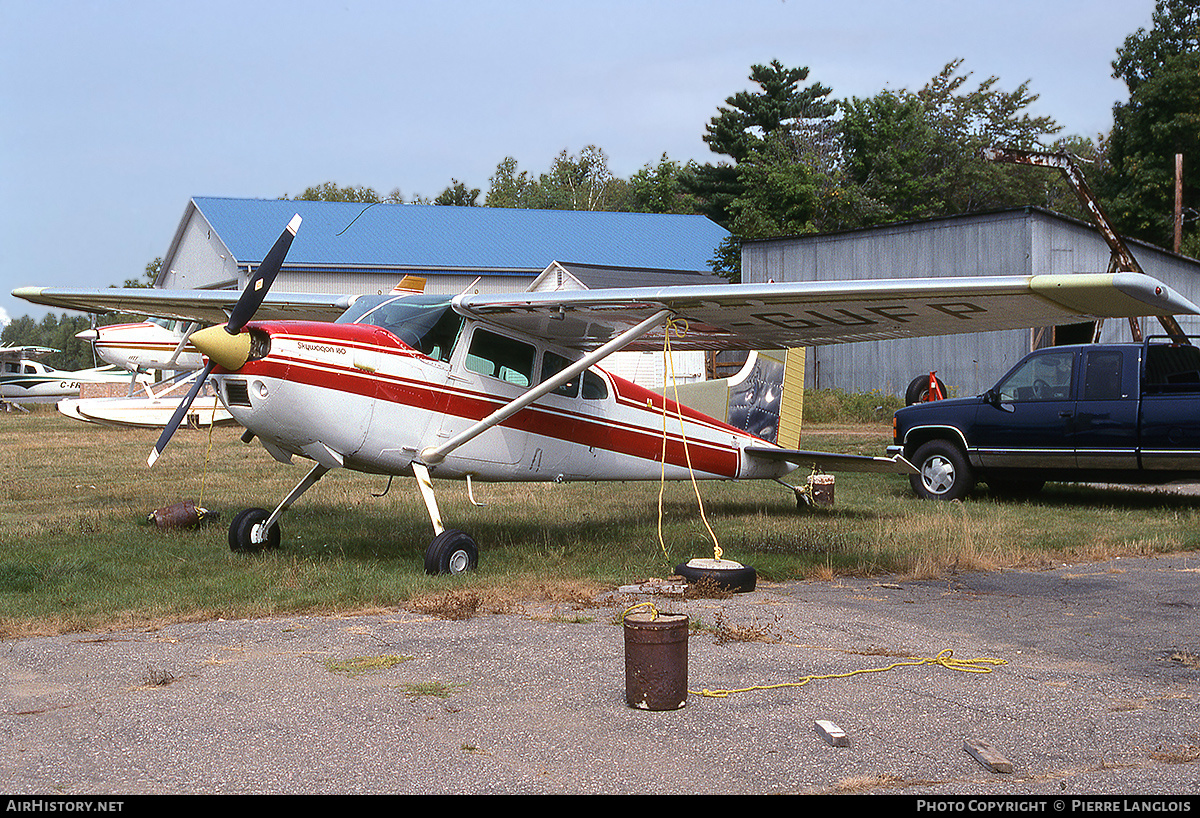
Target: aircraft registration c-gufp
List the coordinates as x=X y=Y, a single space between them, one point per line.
x=506 y=387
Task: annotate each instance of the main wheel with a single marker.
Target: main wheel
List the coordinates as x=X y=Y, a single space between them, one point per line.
x=246 y=533
x=451 y=552
x=943 y=472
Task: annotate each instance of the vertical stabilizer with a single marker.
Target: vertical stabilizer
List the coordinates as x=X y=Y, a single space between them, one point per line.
x=765 y=398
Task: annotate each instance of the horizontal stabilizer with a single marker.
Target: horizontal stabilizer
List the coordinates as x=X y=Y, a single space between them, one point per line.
x=828 y=461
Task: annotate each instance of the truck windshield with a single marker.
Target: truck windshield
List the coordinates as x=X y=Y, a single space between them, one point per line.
x=426 y=323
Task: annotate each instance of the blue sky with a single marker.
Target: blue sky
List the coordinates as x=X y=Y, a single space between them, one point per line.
x=114 y=113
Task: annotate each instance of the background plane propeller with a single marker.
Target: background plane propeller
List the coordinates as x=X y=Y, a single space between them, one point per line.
x=224 y=351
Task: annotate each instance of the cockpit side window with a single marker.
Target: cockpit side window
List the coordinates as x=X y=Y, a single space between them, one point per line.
x=500 y=357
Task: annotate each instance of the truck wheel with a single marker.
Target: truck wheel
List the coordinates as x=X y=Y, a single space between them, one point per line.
x=918 y=389
x=943 y=472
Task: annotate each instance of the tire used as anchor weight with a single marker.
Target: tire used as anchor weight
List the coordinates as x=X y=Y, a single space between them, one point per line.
x=726 y=575
x=451 y=552
x=242 y=531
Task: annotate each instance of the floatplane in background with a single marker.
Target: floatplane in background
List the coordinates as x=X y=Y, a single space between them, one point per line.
x=508 y=387
x=25 y=378
x=155 y=345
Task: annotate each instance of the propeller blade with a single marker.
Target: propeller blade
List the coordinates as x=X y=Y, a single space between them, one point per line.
x=180 y=413
x=247 y=304
x=256 y=289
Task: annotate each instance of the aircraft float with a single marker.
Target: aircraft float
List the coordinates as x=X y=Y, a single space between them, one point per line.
x=508 y=387
x=155 y=344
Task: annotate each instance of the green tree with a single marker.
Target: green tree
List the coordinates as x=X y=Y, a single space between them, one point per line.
x=778 y=193
x=458 y=195
x=580 y=182
x=332 y=192
x=660 y=188
x=1161 y=69
x=574 y=182
x=508 y=187
x=918 y=155
x=55 y=332
x=148 y=277
x=749 y=122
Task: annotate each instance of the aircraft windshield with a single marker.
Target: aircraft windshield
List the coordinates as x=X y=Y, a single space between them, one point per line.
x=425 y=322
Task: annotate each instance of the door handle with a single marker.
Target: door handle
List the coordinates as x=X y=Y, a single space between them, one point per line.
x=1065 y=413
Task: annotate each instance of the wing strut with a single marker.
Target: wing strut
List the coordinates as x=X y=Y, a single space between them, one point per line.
x=436 y=454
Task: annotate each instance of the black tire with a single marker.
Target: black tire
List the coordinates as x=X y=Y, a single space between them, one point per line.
x=451 y=552
x=943 y=472
x=242 y=527
x=739 y=579
x=918 y=389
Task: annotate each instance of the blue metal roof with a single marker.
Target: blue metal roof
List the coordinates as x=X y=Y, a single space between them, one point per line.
x=484 y=238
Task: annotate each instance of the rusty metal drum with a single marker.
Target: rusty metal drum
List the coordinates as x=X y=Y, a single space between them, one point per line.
x=656 y=657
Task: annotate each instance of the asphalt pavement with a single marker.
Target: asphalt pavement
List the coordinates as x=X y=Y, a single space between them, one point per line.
x=1093 y=690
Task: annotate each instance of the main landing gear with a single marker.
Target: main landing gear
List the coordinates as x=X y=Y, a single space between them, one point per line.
x=451 y=552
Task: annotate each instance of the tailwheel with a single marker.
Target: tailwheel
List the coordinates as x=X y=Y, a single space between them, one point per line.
x=451 y=552
x=246 y=532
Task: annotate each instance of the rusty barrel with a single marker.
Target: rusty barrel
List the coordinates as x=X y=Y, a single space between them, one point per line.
x=656 y=661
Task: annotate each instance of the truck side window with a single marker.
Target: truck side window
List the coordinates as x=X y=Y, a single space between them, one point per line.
x=500 y=357
x=1042 y=377
x=1102 y=376
x=1172 y=367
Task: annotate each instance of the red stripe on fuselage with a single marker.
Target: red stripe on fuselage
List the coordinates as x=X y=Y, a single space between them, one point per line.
x=607 y=433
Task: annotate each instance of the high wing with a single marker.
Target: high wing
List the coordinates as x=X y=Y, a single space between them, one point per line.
x=798 y=314
x=208 y=306
x=10 y=353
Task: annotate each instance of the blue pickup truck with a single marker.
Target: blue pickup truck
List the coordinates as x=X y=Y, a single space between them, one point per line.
x=1112 y=413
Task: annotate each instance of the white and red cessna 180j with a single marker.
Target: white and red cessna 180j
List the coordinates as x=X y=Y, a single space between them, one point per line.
x=507 y=388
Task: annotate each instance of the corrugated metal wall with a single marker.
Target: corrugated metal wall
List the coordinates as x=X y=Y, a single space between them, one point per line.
x=1015 y=242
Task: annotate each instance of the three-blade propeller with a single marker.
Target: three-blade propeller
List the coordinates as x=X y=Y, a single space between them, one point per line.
x=217 y=348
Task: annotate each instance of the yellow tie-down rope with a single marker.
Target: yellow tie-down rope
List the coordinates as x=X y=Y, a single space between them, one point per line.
x=681 y=328
x=945 y=659
x=212 y=422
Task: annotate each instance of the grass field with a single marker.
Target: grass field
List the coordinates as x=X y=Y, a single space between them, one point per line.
x=77 y=552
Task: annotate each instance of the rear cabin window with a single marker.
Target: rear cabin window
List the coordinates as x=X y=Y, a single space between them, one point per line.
x=1102 y=376
x=594 y=387
x=552 y=364
x=1171 y=368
